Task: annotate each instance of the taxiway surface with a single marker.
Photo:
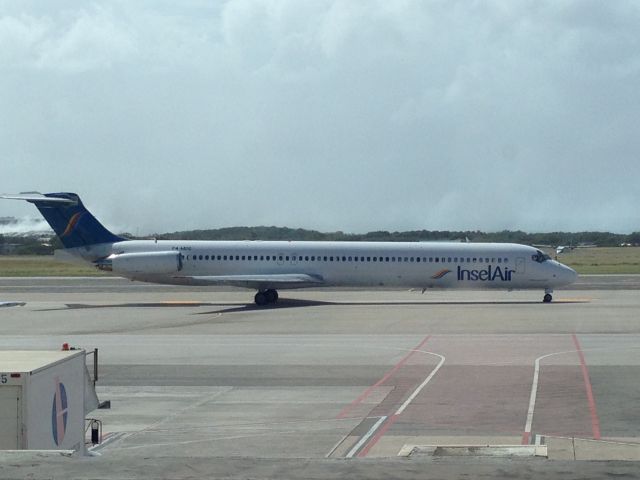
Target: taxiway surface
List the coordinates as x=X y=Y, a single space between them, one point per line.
x=196 y=374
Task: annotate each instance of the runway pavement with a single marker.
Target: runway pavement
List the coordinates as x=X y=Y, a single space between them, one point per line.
x=332 y=383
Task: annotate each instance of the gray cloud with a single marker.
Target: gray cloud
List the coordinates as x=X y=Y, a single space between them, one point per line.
x=328 y=114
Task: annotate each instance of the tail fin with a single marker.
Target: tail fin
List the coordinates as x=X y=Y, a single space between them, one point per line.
x=72 y=222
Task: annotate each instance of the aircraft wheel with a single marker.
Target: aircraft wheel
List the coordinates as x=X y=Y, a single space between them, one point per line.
x=271 y=295
x=260 y=299
x=547 y=298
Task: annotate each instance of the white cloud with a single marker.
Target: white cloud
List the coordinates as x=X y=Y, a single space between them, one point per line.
x=334 y=114
x=71 y=41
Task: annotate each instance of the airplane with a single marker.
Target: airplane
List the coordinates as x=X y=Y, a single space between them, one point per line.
x=269 y=266
x=564 y=248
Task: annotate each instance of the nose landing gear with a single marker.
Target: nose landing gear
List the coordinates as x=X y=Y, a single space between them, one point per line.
x=263 y=297
x=547 y=296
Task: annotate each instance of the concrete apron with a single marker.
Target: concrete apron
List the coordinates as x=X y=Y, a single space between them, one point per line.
x=555 y=448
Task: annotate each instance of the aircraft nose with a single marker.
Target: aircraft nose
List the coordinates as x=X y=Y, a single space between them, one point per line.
x=567 y=274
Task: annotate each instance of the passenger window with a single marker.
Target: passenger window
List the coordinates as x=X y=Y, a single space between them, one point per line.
x=386 y=259
x=287 y=258
x=375 y=259
x=242 y=257
x=499 y=260
x=437 y=259
x=430 y=259
x=331 y=259
x=344 y=259
x=449 y=259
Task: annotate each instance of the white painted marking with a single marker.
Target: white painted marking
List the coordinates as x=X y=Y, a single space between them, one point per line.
x=423 y=384
x=532 y=396
x=403 y=406
x=344 y=437
x=534 y=389
x=366 y=437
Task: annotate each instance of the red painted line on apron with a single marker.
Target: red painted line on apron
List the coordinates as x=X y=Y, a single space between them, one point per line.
x=386 y=377
x=595 y=422
x=390 y=421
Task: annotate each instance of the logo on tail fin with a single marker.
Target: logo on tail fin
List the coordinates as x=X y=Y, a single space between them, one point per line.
x=73 y=221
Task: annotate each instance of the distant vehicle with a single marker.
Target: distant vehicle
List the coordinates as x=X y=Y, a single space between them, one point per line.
x=271 y=266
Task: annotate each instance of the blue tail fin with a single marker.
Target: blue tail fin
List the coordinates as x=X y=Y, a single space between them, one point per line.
x=72 y=222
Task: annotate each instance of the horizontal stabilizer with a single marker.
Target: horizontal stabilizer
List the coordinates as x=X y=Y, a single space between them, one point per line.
x=283 y=280
x=39 y=197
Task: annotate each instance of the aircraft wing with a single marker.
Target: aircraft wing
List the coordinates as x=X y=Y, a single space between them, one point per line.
x=259 y=282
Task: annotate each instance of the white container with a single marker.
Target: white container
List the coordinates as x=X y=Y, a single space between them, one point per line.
x=42 y=400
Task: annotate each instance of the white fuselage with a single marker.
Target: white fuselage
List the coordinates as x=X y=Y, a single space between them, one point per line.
x=364 y=264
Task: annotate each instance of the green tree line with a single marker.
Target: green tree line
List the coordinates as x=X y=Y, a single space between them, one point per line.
x=31 y=245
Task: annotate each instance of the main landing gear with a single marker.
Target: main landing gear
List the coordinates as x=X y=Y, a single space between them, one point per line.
x=547 y=296
x=264 y=297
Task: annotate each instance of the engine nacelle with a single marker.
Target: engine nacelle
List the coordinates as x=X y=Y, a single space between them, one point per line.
x=152 y=263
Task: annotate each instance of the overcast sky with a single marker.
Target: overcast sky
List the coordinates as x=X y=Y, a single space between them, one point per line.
x=333 y=115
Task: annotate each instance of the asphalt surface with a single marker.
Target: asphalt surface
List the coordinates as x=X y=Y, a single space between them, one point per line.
x=334 y=383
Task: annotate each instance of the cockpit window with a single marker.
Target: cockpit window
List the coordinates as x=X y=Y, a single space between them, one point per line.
x=540 y=257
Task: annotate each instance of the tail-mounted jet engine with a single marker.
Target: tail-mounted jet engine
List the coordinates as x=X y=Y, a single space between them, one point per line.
x=151 y=263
